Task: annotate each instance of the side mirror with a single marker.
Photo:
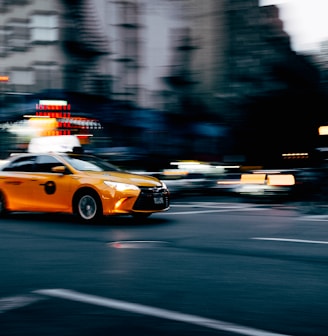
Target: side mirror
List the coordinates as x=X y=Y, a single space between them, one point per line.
x=59 y=169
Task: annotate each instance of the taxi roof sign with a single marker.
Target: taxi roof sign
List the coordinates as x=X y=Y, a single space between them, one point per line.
x=59 y=143
x=53 y=102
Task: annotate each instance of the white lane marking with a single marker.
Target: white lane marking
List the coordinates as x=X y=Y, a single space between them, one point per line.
x=153 y=311
x=293 y=240
x=316 y=218
x=14 y=302
x=212 y=211
x=210 y=205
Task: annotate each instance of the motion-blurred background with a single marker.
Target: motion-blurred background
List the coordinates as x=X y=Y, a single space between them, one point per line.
x=153 y=81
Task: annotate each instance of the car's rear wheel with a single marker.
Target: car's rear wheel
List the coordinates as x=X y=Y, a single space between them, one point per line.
x=3 y=209
x=88 y=206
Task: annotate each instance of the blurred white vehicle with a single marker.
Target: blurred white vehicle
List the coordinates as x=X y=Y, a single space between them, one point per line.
x=266 y=183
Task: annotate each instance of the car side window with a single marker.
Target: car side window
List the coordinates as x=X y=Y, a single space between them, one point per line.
x=45 y=163
x=24 y=164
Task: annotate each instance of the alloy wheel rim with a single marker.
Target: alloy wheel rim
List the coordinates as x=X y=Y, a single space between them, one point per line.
x=87 y=207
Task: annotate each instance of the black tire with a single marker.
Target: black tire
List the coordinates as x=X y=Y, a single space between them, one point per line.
x=3 y=209
x=87 y=207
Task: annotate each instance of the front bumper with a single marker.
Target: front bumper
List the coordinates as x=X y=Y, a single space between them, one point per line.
x=152 y=199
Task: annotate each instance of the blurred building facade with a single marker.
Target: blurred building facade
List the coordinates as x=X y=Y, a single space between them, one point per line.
x=276 y=95
x=185 y=77
x=52 y=45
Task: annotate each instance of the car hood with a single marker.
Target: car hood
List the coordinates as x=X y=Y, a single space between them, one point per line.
x=125 y=177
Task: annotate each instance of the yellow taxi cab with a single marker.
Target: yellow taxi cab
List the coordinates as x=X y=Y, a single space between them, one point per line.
x=79 y=184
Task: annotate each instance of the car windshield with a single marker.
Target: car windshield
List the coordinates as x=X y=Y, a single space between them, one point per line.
x=89 y=163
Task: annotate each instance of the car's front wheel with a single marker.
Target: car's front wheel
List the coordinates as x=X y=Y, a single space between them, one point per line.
x=88 y=206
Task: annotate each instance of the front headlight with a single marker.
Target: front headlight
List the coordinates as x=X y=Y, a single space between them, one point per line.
x=121 y=186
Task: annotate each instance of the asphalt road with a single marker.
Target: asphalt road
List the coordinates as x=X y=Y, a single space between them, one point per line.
x=209 y=266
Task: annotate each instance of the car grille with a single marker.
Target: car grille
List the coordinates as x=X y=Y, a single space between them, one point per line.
x=149 y=196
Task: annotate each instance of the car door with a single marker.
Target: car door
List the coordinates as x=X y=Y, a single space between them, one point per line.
x=52 y=191
x=17 y=183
